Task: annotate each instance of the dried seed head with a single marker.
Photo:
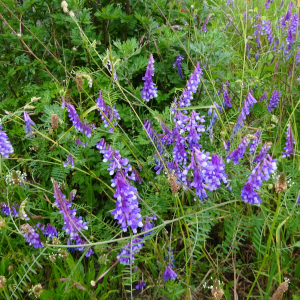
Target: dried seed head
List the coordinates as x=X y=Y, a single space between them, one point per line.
x=55 y=241
x=71 y=13
x=216 y=290
x=54 y=121
x=37 y=290
x=2 y=282
x=10 y=268
x=2 y=222
x=175 y=186
x=280 y=185
x=64 y=254
x=52 y=258
x=15 y=177
x=280 y=291
x=93 y=283
x=79 y=81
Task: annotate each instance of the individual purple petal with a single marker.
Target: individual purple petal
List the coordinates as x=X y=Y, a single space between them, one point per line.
x=140 y=285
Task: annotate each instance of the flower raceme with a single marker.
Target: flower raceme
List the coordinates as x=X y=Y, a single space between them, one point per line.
x=274 y=100
x=5 y=146
x=28 y=123
x=290 y=141
x=150 y=90
x=177 y=64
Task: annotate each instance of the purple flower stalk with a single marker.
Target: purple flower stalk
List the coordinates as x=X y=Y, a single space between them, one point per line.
x=127 y=253
x=69 y=161
x=148 y=224
x=179 y=150
x=290 y=141
x=226 y=98
x=50 y=231
x=72 y=225
x=28 y=123
x=295 y=23
x=267 y=4
x=267 y=30
x=191 y=87
x=226 y=146
x=274 y=100
x=169 y=274
x=140 y=285
x=73 y=116
x=110 y=112
x=203 y=28
x=263 y=152
x=79 y=142
x=263 y=97
x=238 y=153
x=5 y=146
x=13 y=211
x=289 y=39
x=255 y=142
x=194 y=129
x=177 y=64
x=249 y=196
x=150 y=90
x=31 y=236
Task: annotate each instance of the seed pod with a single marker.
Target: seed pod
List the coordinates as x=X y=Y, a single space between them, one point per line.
x=280 y=185
x=54 y=121
x=280 y=291
x=175 y=186
x=37 y=290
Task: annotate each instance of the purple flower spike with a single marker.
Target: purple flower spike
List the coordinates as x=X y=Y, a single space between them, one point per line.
x=50 y=231
x=127 y=253
x=267 y=30
x=191 y=87
x=267 y=4
x=255 y=142
x=290 y=141
x=263 y=152
x=140 y=285
x=249 y=196
x=13 y=211
x=289 y=39
x=31 y=236
x=69 y=161
x=169 y=274
x=72 y=225
x=150 y=90
x=274 y=100
x=28 y=123
x=73 y=116
x=263 y=97
x=110 y=112
x=79 y=142
x=177 y=64
x=298 y=198
x=226 y=98
x=5 y=146
x=203 y=28
x=148 y=224
x=240 y=151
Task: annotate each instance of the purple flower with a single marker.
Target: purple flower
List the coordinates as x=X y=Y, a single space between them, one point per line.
x=137 y=176
x=150 y=90
x=257 y=56
x=179 y=150
x=148 y=224
x=263 y=152
x=191 y=87
x=298 y=198
x=203 y=28
x=267 y=4
x=50 y=231
x=249 y=196
x=255 y=142
x=290 y=141
x=289 y=39
x=73 y=116
x=69 y=161
x=263 y=97
x=257 y=32
x=295 y=23
x=31 y=236
x=267 y=30
x=79 y=241
x=226 y=146
x=140 y=285
x=110 y=112
x=240 y=151
x=226 y=98
x=248 y=103
x=177 y=64
x=28 y=123
x=5 y=146
x=14 y=209
x=274 y=100
x=169 y=274
x=72 y=225
x=79 y=142
x=127 y=253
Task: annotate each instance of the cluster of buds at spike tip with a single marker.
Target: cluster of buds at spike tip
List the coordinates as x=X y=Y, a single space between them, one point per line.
x=281 y=185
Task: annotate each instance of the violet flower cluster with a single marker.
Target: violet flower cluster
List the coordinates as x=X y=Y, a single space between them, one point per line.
x=191 y=87
x=127 y=253
x=69 y=161
x=5 y=146
x=28 y=123
x=31 y=236
x=255 y=142
x=274 y=100
x=169 y=273
x=290 y=141
x=72 y=224
x=177 y=64
x=127 y=212
x=238 y=153
x=150 y=90
x=110 y=112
